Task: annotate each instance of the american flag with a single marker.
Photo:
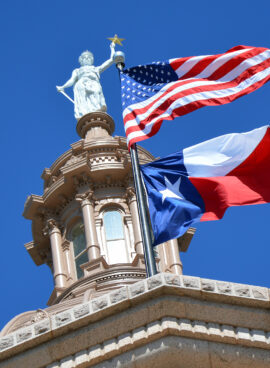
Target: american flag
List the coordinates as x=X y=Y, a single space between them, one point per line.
x=165 y=90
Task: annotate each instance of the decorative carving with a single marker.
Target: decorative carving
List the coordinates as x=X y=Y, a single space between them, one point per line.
x=112 y=184
x=46 y=213
x=103 y=123
x=40 y=315
x=122 y=155
x=122 y=275
x=76 y=180
x=82 y=180
x=129 y=180
x=63 y=199
x=73 y=159
x=65 y=245
x=108 y=179
x=130 y=194
x=104 y=201
x=51 y=224
x=52 y=180
x=88 y=196
x=85 y=178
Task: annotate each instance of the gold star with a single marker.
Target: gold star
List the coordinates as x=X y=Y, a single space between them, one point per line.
x=116 y=39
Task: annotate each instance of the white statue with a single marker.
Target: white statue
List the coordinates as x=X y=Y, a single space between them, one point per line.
x=88 y=95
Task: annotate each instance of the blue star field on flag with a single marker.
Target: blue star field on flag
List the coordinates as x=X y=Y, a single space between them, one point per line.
x=143 y=81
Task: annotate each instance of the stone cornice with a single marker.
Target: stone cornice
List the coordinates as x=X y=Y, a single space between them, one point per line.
x=46 y=174
x=54 y=188
x=174 y=334
x=60 y=161
x=77 y=146
x=32 y=203
x=76 y=165
x=184 y=240
x=163 y=305
x=33 y=249
x=101 y=157
x=112 y=273
x=113 y=146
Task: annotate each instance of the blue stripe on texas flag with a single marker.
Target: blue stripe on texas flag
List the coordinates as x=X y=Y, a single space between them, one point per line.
x=173 y=199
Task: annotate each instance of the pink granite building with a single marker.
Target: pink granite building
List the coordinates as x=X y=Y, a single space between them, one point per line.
x=103 y=312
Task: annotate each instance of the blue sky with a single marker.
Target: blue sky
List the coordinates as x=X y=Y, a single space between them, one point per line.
x=40 y=44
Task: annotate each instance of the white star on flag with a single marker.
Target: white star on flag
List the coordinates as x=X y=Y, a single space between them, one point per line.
x=172 y=190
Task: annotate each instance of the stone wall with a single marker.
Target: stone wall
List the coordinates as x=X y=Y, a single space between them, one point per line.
x=182 y=320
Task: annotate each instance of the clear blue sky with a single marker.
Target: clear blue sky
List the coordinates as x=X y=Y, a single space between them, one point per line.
x=40 y=45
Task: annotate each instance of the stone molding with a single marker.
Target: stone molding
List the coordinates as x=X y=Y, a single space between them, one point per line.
x=112 y=274
x=103 y=162
x=167 y=326
x=95 y=119
x=39 y=315
x=127 y=219
x=163 y=305
x=81 y=162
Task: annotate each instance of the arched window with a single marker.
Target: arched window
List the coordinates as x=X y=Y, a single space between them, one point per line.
x=79 y=247
x=115 y=239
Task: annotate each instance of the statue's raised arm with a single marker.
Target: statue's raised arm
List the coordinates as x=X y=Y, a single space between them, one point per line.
x=88 y=95
x=108 y=62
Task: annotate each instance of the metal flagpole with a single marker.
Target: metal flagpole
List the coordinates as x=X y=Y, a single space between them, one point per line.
x=143 y=215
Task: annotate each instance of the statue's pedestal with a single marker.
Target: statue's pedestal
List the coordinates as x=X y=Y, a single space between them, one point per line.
x=95 y=125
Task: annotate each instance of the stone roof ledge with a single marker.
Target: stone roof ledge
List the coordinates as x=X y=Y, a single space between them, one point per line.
x=163 y=314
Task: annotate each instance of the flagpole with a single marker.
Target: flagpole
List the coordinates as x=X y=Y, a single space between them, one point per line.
x=143 y=215
x=141 y=200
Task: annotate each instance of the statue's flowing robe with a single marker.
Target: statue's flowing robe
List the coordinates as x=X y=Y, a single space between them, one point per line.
x=88 y=95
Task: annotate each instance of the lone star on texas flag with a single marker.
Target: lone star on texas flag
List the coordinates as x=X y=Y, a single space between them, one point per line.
x=172 y=190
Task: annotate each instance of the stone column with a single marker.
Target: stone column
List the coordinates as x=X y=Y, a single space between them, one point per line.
x=87 y=205
x=58 y=260
x=130 y=235
x=175 y=262
x=135 y=220
x=99 y=223
x=70 y=266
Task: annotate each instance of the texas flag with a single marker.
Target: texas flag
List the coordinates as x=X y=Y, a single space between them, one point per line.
x=200 y=182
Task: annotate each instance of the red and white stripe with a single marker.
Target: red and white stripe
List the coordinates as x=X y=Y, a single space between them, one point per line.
x=230 y=170
x=203 y=81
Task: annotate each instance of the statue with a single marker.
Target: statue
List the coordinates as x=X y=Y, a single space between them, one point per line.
x=88 y=95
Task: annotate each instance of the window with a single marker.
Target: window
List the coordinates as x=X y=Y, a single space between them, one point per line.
x=115 y=239
x=79 y=247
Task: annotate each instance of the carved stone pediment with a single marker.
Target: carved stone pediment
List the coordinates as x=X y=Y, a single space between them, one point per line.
x=73 y=159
